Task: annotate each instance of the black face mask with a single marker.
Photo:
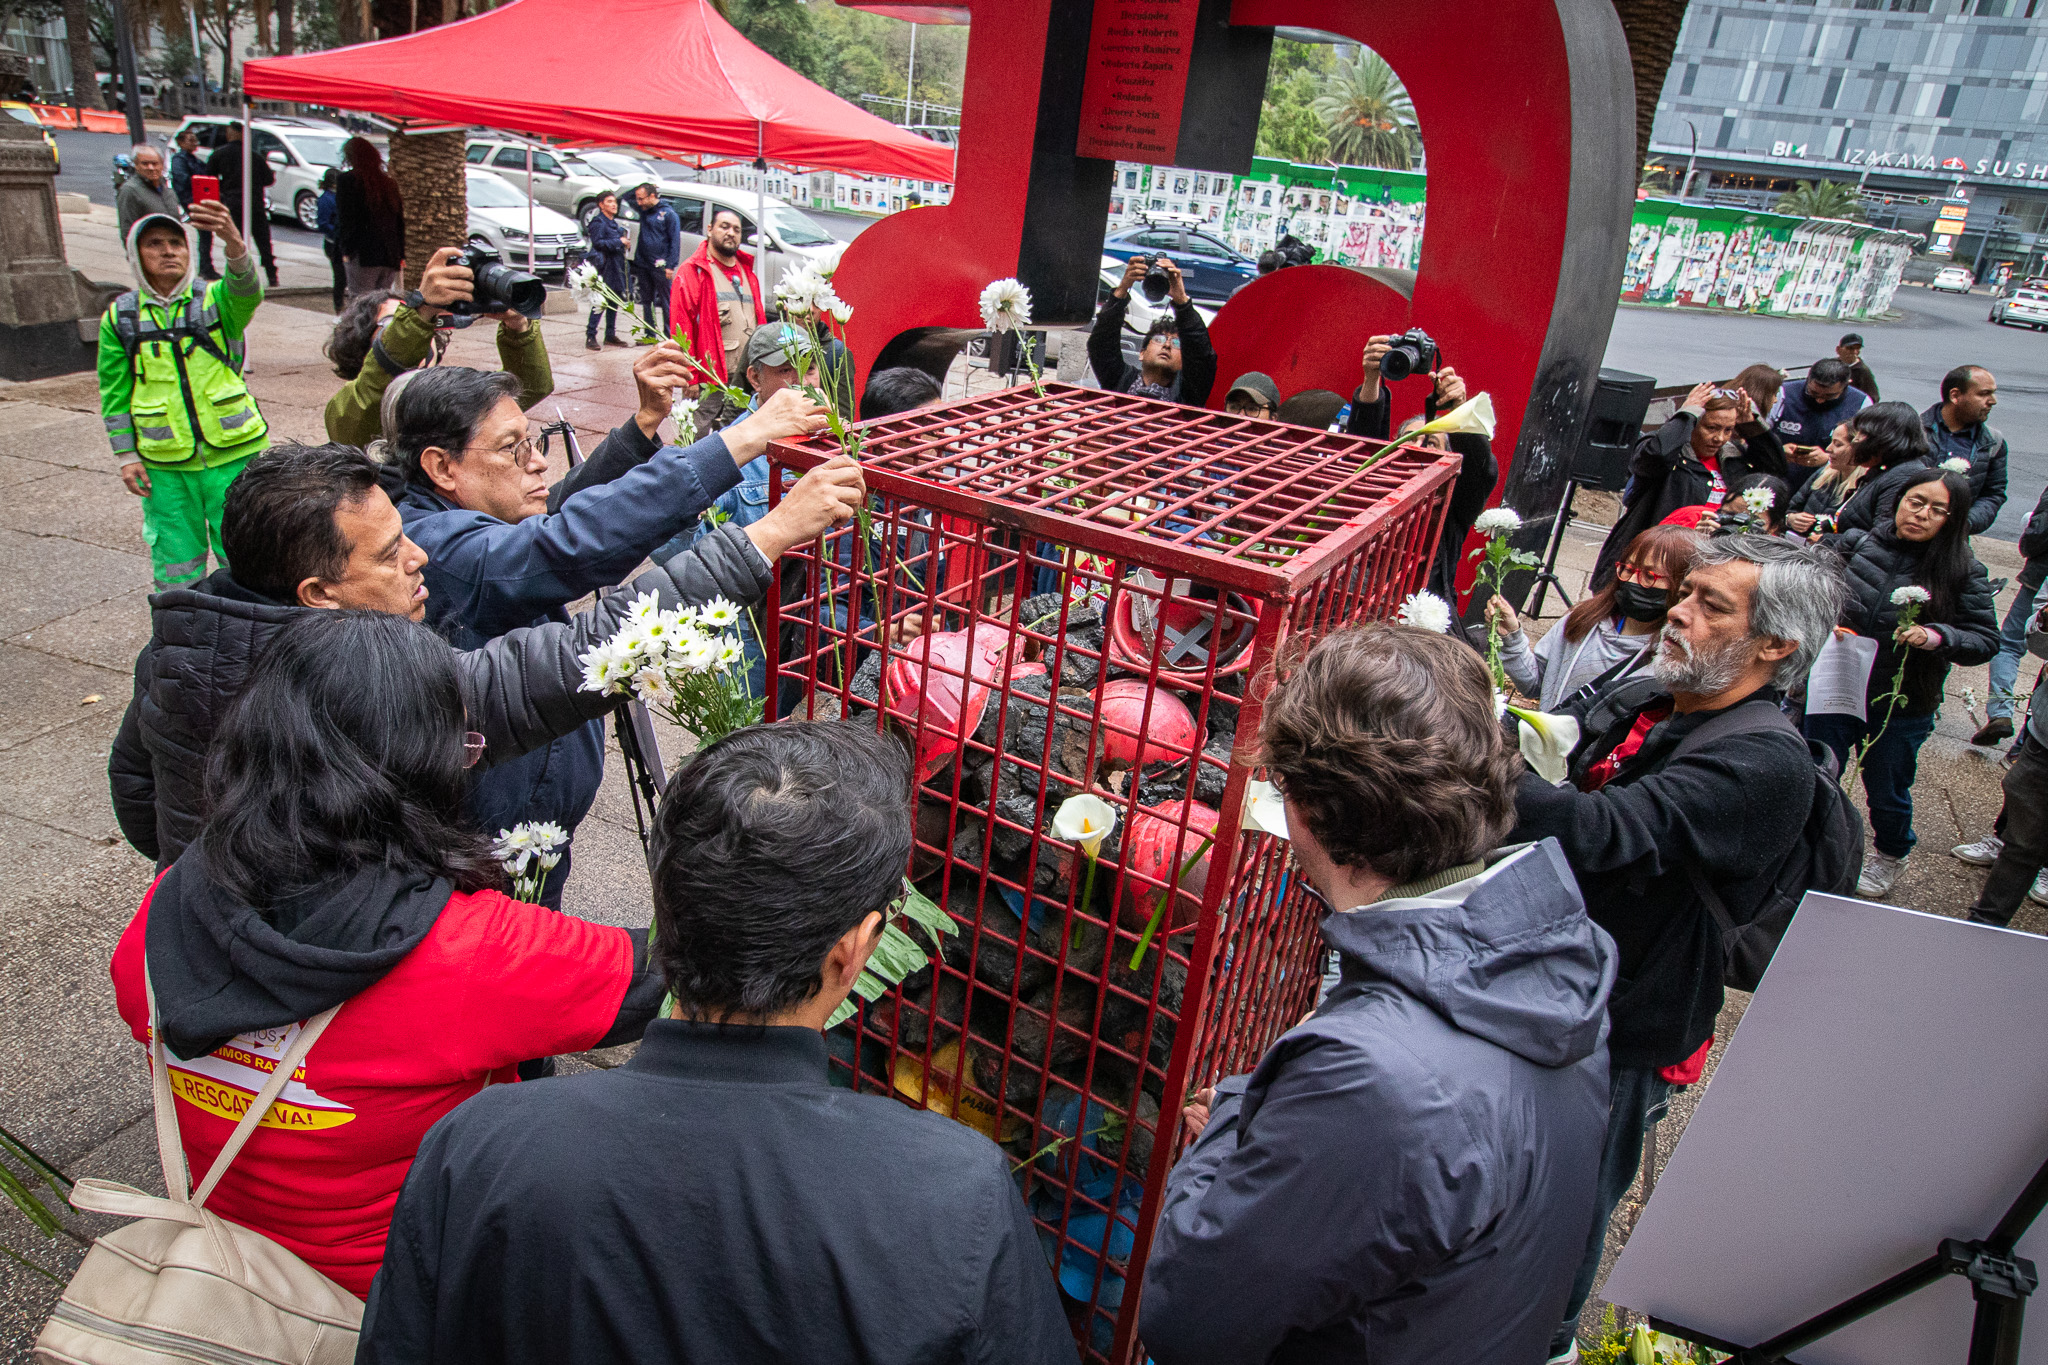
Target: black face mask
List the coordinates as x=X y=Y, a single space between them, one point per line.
x=1639 y=603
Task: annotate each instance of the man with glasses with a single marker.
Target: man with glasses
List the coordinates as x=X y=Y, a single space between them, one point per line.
x=1176 y=362
x=1253 y=395
x=475 y=499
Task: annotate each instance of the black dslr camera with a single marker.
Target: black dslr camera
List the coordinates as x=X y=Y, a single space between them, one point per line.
x=499 y=288
x=1157 y=283
x=1413 y=352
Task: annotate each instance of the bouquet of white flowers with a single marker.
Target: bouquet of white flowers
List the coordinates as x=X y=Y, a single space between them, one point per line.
x=687 y=664
x=527 y=852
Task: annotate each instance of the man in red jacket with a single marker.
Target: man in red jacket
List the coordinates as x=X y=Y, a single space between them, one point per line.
x=715 y=305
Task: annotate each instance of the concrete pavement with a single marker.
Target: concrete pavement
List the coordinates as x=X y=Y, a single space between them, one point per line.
x=75 y=616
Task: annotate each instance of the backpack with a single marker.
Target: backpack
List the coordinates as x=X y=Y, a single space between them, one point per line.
x=131 y=329
x=1828 y=856
x=182 y=1284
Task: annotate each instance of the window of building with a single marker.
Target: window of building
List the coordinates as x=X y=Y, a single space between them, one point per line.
x=1834 y=88
x=1948 y=101
x=1692 y=74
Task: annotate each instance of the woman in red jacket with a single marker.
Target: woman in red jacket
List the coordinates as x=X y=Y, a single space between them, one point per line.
x=336 y=870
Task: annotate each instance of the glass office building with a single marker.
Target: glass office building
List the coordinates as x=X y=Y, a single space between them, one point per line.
x=1936 y=109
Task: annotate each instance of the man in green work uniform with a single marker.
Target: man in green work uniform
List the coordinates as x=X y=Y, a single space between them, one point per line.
x=354 y=415
x=178 y=415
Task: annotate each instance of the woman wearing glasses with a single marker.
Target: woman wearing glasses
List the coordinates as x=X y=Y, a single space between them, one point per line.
x=336 y=869
x=1922 y=542
x=1613 y=626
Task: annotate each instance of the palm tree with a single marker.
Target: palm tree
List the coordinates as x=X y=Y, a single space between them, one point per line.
x=85 y=85
x=1367 y=115
x=1651 y=27
x=1822 y=199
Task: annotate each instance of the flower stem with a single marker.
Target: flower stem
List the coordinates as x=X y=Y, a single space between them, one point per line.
x=1159 y=915
x=1087 y=894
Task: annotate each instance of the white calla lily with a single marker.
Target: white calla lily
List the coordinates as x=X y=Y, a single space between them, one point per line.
x=1085 y=821
x=1547 y=742
x=1265 y=810
x=1473 y=416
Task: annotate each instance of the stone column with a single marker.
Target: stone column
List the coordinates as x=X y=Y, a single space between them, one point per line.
x=38 y=299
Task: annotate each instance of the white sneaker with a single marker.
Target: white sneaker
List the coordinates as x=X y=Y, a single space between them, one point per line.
x=1570 y=1357
x=2038 y=892
x=1880 y=873
x=1983 y=853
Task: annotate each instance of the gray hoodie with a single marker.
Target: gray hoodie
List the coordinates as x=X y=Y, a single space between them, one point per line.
x=1408 y=1176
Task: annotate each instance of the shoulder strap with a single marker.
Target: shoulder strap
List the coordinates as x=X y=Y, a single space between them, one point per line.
x=170 y=1146
x=1751 y=716
x=128 y=321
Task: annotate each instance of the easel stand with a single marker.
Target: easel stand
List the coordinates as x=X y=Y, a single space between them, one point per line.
x=2000 y=1282
x=1546 y=577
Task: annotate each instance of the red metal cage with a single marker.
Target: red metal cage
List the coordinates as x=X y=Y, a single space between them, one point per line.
x=1104 y=582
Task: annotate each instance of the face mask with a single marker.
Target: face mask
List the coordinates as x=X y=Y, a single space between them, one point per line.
x=1639 y=603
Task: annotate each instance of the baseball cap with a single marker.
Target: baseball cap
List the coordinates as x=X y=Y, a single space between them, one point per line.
x=771 y=344
x=1853 y=339
x=1260 y=386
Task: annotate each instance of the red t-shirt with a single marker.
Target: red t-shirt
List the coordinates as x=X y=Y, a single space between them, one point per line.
x=493 y=983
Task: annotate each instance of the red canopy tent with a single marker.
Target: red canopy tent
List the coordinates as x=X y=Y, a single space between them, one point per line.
x=671 y=76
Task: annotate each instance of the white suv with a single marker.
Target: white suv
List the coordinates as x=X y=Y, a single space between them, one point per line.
x=560 y=180
x=793 y=235
x=300 y=151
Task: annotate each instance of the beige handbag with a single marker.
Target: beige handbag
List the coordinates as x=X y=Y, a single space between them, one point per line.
x=184 y=1285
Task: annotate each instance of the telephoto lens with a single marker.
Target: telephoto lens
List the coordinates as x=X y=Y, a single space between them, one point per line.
x=1157 y=281
x=499 y=288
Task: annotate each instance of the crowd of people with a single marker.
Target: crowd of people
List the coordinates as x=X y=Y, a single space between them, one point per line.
x=381 y=670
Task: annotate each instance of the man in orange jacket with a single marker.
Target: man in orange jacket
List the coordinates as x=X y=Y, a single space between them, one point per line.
x=715 y=305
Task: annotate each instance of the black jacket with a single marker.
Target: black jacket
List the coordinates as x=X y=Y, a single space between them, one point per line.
x=1879 y=563
x=522 y=689
x=1984 y=447
x=1732 y=808
x=1473 y=486
x=713 y=1200
x=1666 y=475
x=1197 y=355
x=1877 y=497
x=362 y=233
x=1408 y=1176
x=226 y=164
x=2034 y=539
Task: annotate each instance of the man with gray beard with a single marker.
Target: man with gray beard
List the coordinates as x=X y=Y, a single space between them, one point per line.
x=1645 y=812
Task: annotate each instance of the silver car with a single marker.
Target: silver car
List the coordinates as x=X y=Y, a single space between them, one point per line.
x=560 y=180
x=300 y=151
x=498 y=219
x=793 y=235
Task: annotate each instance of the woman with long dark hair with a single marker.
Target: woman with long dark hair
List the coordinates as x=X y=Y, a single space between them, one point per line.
x=1922 y=544
x=335 y=869
x=1615 y=625
x=1889 y=444
x=369 y=219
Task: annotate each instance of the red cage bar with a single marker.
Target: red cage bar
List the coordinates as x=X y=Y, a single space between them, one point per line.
x=1104 y=581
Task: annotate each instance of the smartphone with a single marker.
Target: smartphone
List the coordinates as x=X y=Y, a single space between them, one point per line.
x=206 y=188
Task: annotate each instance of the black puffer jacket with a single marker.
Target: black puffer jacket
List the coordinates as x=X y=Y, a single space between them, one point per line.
x=1877 y=497
x=1879 y=564
x=1666 y=475
x=521 y=689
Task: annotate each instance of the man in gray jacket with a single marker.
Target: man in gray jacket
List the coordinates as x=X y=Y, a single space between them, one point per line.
x=311 y=527
x=1408 y=1175
x=147 y=191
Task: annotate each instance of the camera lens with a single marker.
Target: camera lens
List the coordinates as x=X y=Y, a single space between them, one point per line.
x=1402 y=359
x=1157 y=282
x=499 y=287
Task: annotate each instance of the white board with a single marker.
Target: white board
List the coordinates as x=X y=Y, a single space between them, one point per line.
x=1887 y=1088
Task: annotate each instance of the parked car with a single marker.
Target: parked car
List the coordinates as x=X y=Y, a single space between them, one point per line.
x=1210 y=269
x=21 y=113
x=498 y=217
x=2022 y=305
x=1952 y=278
x=300 y=151
x=1140 y=313
x=560 y=181
x=618 y=166
x=792 y=233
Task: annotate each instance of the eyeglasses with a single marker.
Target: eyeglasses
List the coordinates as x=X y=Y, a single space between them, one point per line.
x=519 y=452
x=1635 y=573
x=472 y=748
x=1915 y=503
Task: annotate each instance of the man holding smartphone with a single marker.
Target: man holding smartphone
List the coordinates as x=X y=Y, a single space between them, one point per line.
x=178 y=415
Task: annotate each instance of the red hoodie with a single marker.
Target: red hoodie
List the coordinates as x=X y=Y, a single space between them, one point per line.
x=494 y=982
x=693 y=305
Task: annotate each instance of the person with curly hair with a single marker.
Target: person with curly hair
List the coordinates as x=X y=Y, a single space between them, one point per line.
x=1409 y=1172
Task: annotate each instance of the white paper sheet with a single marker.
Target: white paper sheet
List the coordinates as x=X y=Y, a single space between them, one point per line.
x=1887 y=1088
x=1840 y=677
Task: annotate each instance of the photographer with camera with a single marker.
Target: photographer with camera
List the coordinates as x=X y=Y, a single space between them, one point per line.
x=1176 y=364
x=1693 y=458
x=413 y=337
x=1396 y=358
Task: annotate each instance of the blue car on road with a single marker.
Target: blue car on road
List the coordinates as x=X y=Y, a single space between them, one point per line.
x=1211 y=270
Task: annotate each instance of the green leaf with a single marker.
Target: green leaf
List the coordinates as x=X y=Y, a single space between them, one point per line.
x=897 y=955
x=16 y=1256
x=50 y=1175
x=32 y=1208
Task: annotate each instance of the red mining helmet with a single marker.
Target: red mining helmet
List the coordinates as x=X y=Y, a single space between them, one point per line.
x=1170 y=734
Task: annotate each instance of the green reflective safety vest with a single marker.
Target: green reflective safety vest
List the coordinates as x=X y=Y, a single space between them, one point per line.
x=171 y=389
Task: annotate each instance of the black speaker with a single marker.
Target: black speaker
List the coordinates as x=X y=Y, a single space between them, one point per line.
x=1008 y=349
x=1620 y=401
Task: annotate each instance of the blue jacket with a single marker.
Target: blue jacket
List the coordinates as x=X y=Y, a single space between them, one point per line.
x=1983 y=445
x=661 y=237
x=1798 y=422
x=608 y=250
x=486 y=577
x=329 y=220
x=1409 y=1174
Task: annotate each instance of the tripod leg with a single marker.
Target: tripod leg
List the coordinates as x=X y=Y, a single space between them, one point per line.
x=1995 y=1331
x=1548 y=574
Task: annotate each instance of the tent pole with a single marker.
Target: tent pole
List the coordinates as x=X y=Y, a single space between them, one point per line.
x=248 y=175
x=529 y=208
x=760 y=195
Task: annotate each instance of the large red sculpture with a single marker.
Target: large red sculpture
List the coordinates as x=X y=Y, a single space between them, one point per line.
x=1526 y=110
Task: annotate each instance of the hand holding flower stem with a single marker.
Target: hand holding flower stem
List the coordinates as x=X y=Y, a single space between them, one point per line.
x=1497 y=559
x=1910 y=600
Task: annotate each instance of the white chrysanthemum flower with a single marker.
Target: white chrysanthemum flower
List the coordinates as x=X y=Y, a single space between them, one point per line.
x=645 y=607
x=1426 y=611
x=1760 y=500
x=826 y=262
x=799 y=290
x=684 y=410
x=1910 y=596
x=650 y=685
x=1005 y=306
x=582 y=283
x=718 y=613
x=699 y=655
x=730 y=654
x=1956 y=464
x=831 y=305
x=1497 y=521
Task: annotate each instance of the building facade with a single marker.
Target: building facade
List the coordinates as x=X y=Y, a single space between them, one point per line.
x=1937 y=110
